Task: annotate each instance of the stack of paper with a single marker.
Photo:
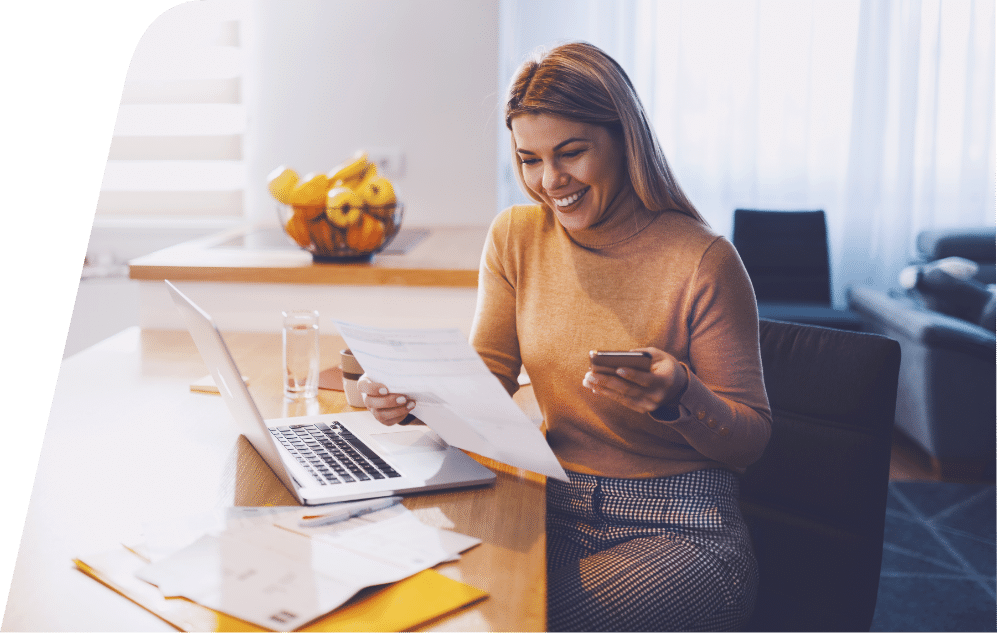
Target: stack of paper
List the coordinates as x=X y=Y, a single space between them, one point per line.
x=262 y=567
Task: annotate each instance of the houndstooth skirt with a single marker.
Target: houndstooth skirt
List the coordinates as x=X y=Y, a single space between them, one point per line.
x=662 y=554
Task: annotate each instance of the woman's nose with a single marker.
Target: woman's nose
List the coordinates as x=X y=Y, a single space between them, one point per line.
x=552 y=177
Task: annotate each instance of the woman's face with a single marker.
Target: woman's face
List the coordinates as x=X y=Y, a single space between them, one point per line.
x=577 y=169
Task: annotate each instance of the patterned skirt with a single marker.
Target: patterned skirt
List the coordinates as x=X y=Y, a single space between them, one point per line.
x=662 y=554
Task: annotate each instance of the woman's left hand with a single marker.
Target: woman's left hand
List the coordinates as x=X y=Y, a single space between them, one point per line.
x=642 y=391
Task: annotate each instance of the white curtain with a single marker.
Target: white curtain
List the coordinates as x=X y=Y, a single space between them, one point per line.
x=881 y=113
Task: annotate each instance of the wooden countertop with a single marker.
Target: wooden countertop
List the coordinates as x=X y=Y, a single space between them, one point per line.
x=128 y=443
x=439 y=256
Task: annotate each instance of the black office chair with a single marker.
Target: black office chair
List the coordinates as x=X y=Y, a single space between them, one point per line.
x=816 y=501
x=786 y=256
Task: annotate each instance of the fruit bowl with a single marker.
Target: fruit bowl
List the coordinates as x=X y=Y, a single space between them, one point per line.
x=355 y=235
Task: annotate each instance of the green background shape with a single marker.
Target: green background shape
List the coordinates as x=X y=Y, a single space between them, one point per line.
x=64 y=68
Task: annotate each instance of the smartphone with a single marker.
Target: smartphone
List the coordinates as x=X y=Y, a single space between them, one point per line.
x=607 y=362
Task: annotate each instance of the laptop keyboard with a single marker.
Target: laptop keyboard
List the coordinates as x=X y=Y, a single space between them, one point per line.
x=332 y=454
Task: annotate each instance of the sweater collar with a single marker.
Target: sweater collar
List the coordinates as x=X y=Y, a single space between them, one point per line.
x=625 y=218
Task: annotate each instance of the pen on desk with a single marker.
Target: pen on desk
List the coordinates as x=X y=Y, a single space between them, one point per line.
x=343 y=514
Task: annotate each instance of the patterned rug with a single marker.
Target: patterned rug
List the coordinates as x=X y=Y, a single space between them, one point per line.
x=938 y=559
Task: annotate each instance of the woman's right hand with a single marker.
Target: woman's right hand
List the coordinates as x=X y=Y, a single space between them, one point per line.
x=388 y=408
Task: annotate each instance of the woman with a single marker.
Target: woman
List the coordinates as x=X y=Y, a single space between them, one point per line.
x=648 y=534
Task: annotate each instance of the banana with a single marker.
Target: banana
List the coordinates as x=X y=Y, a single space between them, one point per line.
x=357 y=182
x=310 y=191
x=351 y=168
x=281 y=182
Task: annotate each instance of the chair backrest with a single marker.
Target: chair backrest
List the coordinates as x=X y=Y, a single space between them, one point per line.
x=785 y=254
x=816 y=501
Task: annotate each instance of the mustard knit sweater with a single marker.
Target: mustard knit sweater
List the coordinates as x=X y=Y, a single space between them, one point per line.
x=635 y=279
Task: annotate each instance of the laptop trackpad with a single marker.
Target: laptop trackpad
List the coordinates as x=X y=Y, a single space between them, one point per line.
x=407 y=442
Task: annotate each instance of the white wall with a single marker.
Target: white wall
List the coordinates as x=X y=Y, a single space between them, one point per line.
x=332 y=77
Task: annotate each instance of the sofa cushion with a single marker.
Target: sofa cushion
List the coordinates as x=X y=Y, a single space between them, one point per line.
x=976 y=244
x=949 y=286
x=961 y=298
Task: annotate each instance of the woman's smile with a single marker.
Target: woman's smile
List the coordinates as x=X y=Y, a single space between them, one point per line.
x=565 y=202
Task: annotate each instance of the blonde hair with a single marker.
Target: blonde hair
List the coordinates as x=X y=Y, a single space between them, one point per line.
x=580 y=82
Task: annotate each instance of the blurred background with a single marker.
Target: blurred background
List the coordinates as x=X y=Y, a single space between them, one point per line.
x=880 y=113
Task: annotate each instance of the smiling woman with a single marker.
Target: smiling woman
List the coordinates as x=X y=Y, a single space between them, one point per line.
x=647 y=535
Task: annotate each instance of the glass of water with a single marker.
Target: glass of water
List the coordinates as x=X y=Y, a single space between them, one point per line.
x=301 y=354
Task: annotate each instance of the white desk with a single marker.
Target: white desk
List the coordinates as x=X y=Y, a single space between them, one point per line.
x=127 y=442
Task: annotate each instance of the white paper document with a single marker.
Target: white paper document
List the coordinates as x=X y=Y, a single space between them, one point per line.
x=455 y=393
x=160 y=539
x=279 y=575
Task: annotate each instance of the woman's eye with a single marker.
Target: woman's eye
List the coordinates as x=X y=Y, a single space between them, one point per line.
x=572 y=153
x=529 y=161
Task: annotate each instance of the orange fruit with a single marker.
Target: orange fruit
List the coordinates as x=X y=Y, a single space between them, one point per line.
x=325 y=237
x=365 y=235
x=309 y=211
x=297 y=227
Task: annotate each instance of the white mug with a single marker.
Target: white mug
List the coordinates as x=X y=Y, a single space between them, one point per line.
x=351 y=374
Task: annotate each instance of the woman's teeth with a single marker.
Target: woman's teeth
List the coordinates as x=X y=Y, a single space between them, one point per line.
x=564 y=202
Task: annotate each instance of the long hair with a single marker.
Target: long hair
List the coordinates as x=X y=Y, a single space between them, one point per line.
x=580 y=82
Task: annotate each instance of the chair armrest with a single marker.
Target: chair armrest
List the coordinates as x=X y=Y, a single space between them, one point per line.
x=905 y=317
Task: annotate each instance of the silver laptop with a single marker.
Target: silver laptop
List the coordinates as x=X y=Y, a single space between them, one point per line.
x=333 y=457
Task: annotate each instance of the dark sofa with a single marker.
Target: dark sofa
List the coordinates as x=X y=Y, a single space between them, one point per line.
x=946 y=396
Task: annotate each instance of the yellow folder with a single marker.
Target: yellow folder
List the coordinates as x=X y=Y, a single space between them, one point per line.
x=396 y=607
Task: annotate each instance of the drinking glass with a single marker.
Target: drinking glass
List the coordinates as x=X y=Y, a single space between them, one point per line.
x=301 y=354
